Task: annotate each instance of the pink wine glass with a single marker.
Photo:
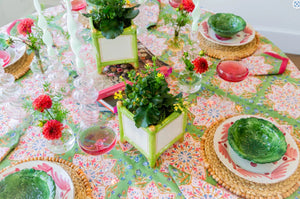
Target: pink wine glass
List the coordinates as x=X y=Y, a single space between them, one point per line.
x=175 y=3
x=232 y=71
x=97 y=140
x=78 y=5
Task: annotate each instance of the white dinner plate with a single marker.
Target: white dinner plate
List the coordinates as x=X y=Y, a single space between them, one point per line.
x=64 y=185
x=16 y=52
x=260 y=173
x=241 y=38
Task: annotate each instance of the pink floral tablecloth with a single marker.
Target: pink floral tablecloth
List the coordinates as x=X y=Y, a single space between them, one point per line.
x=180 y=172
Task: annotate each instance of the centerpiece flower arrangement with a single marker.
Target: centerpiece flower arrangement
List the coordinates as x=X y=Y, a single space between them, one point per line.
x=190 y=78
x=25 y=31
x=150 y=117
x=182 y=17
x=111 y=17
x=51 y=116
x=148 y=97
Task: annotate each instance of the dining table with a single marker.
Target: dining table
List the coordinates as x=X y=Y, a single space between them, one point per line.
x=184 y=170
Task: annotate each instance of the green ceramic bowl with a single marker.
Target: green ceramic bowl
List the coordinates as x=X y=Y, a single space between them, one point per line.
x=28 y=183
x=226 y=24
x=257 y=140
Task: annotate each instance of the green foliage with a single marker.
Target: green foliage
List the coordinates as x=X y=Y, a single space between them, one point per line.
x=181 y=19
x=188 y=64
x=111 y=17
x=148 y=97
x=35 y=41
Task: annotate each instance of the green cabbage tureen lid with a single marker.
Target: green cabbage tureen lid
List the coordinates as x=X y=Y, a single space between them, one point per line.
x=226 y=24
x=28 y=183
x=257 y=140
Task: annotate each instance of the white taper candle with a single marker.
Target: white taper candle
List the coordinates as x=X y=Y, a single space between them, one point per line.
x=42 y=23
x=196 y=15
x=74 y=42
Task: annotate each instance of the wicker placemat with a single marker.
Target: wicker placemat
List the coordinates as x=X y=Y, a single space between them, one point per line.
x=79 y=179
x=236 y=184
x=20 y=67
x=228 y=52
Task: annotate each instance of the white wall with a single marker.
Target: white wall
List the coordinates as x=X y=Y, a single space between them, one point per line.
x=15 y=9
x=275 y=19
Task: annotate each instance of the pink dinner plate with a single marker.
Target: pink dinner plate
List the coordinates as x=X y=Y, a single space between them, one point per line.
x=5 y=57
x=241 y=38
x=259 y=173
x=64 y=185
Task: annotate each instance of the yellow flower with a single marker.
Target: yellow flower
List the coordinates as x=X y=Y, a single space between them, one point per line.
x=177 y=107
x=118 y=95
x=121 y=78
x=159 y=75
x=137 y=99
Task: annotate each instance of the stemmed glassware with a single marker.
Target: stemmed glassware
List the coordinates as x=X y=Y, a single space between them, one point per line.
x=58 y=76
x=232 y=71
x=86 y=95
x=10 y=94
x=97 y=140
x=175 y=3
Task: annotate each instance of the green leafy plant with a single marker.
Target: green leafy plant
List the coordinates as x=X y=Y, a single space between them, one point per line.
x=148 y=97
x=111 y=17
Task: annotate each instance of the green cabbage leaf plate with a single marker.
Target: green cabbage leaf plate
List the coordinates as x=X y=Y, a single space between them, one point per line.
x=226 y=24
x=257 y=140
x=28 y=184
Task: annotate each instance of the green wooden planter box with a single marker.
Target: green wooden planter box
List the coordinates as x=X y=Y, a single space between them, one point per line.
x=122 y=49
x=151 y=141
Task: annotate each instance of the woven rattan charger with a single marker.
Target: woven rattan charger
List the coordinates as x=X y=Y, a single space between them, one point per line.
x=228 y=52
x=20 y=67
x=236 y=184
x=80 y=182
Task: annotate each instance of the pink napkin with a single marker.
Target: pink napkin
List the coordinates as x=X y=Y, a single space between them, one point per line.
x=267 y=63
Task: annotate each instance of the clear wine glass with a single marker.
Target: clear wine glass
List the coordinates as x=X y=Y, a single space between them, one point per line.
x=232 y=71
x=97 y=140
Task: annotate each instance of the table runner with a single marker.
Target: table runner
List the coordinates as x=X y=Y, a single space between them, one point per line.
x=180 y=171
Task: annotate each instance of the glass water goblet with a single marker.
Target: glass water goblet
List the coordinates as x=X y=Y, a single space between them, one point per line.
x=232 y=71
